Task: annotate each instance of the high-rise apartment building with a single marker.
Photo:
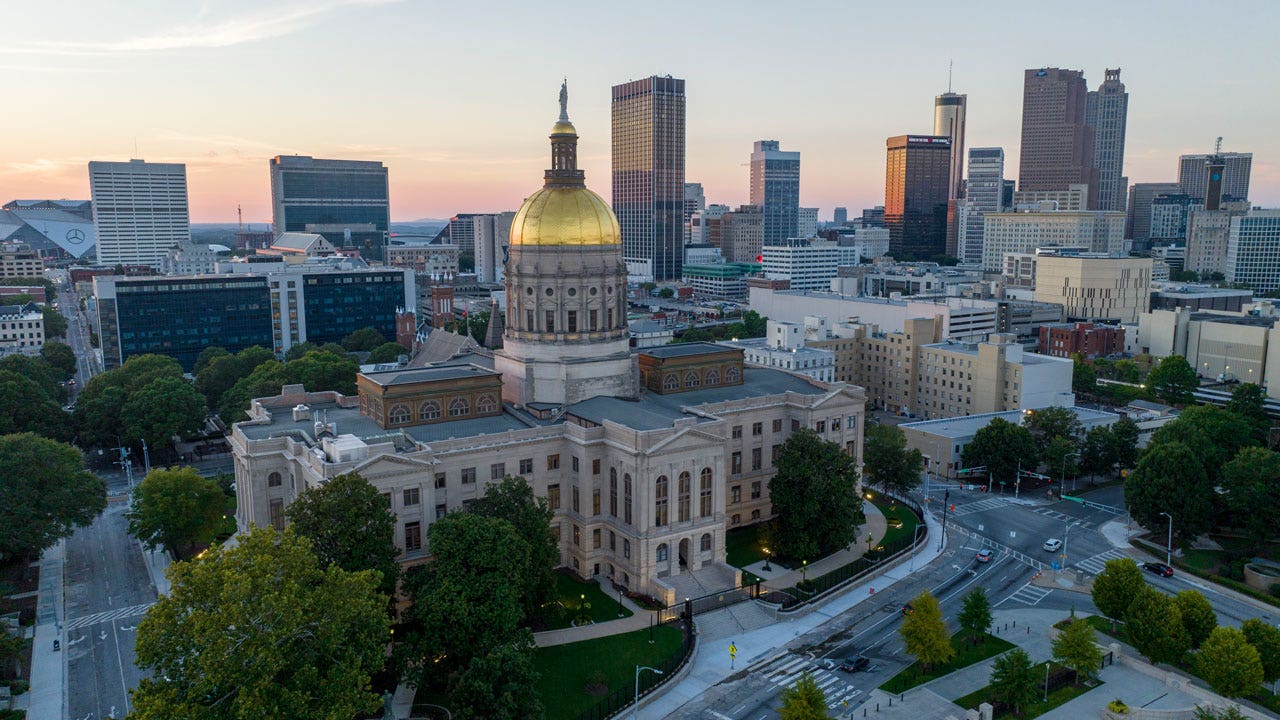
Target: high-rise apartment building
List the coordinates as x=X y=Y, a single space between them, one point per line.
x=840 y=216
x=983 y=194
x=948 y=121
x=1253 y=250
x=740 y=235
x=1107 y=112
x=1073 y=198
x=917 y=173
x=694 y=199
x=346 y=201
x=1057 y=143
x=807 y=222
x=1023 y=232
x=1208 y=232
x=1137 y=225
x=1196 y=174
x=775 y=189
x=648 y=175
x=139 y=211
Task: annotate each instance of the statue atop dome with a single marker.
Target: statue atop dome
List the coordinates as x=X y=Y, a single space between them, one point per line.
x=564 y=100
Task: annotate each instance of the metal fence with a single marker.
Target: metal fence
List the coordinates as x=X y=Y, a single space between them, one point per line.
x=623 y=697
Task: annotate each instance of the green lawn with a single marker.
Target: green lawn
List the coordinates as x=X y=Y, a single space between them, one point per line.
x=228 y=517
x=743 y=546
x=565 y=670
x=570 y=590
x=1061 y=696
x=899 y=512
x=966 y=655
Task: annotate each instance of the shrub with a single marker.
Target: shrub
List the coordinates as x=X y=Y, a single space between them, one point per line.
x=1118 y=707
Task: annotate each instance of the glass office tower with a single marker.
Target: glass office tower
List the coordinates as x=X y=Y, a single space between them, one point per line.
x=346 y=201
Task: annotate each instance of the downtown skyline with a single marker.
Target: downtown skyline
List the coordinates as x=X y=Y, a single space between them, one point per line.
x=406 y=83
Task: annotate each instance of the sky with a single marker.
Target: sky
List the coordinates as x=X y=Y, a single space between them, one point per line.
x=457 y=98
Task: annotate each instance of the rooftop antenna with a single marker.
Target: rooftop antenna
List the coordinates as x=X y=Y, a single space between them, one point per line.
x=239 y=219
x=1217 y=146
x=950 y=63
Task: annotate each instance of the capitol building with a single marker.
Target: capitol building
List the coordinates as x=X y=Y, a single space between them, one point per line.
x=646 y=458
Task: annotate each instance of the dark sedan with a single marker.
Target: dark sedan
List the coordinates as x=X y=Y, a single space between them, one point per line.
x=1158 y=568
x=854 y=664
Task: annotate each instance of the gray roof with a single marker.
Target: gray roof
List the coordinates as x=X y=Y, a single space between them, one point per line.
x=685 y=350
x=349 y=421
x=967 y=425
x=296 y=240
x=428 y=374
x=442 y=345
x=18 y=310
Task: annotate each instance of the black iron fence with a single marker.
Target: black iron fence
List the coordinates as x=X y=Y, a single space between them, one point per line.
x=623 y=697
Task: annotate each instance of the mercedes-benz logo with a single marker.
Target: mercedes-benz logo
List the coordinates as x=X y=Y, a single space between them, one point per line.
x=75 y=236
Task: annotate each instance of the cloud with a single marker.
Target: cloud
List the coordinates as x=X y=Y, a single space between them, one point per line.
x=208 y=32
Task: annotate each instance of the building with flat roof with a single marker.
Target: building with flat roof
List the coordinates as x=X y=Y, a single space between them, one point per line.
x=20 y=261
x=435 y=260
x=1057 y=141
x=1106 y=113
x=346 y=201
x=1020 y=232
x=916 y=191
x=807 y=264
x=21 y=329
x=775 y=189
x=1196 y=176
x=1244 y=347
x=1086 y=339
x=962 y=318
x=1253 y=250
x=1138 y=220
x=1171 y=296
x=1073 y=198
x=964 y=378
x=984 y=193
x=1091 y=287
x=139 y=211
x=727 y=281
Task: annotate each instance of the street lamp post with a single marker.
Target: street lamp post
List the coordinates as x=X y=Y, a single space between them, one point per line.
x=1046 y=681
x=915 y=537
x=1064 y=470
x=1168 y=548
x=635 y=708
x=766 y=560
x=1065 y=533
x=621 y=610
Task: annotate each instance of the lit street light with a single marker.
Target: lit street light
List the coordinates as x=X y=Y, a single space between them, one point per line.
x=1168 y=548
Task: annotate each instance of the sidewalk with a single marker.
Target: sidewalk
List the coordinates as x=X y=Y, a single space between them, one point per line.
x=48 y=670
x=639 y=620
x=779 y=576
x=157 y=562
x=711 y=665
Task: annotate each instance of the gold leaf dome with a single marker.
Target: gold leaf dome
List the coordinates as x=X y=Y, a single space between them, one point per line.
x=560 y=215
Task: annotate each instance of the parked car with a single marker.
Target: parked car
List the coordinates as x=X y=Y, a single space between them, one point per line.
x=1052 y=545
x=983 y=556
x=854 y=664
x=1158 y=569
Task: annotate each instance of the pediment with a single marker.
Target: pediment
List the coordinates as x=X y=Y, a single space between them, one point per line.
x=385 y=466
x=686 y=439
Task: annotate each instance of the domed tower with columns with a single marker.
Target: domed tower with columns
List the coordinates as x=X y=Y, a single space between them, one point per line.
x=566 y=334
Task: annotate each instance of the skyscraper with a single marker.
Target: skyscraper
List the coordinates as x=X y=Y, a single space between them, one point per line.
x=346 y=201
x=948 y=121
x=139 y=210
x=648 y=175
x=1107 y=112
x=1138 y=223
x=983 y=194
x=840 y=216
x=1057 y=143
x=775 y=188
x=1194 y=175
x=917 y=176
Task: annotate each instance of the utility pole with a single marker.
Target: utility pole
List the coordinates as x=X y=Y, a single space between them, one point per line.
x=946 y=504
x=126 y=464
x=146 y=459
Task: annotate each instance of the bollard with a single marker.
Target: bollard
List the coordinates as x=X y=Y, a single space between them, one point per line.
x=877 y=707
x=1015 y=623
x=890 y=701
x=1028 y=629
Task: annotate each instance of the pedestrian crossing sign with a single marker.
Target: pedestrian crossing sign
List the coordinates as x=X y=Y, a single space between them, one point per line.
x=733 y=651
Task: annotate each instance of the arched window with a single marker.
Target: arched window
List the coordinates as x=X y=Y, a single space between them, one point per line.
x=682 y=506
x=613 y=492
x=733 y=374
x=706 y=542
x=429 y=410
x=660 y=501
x=274 y=480
x=664 y=553
x=398 y=414
x=704 y=493
x=713 y=377
x=486 y=404
x=692 y=379
x=736 y=519
x=671 y=382
x=626 y=498
x=459 y=407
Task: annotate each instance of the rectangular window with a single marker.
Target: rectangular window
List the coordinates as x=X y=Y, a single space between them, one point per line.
x=595 y=466
x=411 y=496
x=757 y=429
x=737 y=463
x=776 y=452
x=795 y=425
x=755 y=490
x=551 y=321
x=626 y=548
x=573 y=493
x=412 y=536
x=574 y=464
x=593 y=317
x=441 y=482
x=277 y=513
x=595 y=501
x=553 y=497
x=755 y=458
x=553 y=462
x=528 y=319
x=613 y=541
x=572 y=324
x=595 y=539
x=820 y=426
x=577 y=535
x=835 y=424
x=441 y=510
x=737 y=432
x=468 y=476
x=497 y=471
x=777 y=425
x=526 y=466
x=735 y=494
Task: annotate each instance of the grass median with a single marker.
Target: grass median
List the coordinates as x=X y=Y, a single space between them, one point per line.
x=966 y=654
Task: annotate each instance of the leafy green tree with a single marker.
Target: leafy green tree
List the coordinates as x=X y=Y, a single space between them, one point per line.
x=1048 y=424
x=1002 y=447
x=50 y=289
x=11 y=652
x=101 y=416
x=349 y=524
x=36 y=370
x=387 y=353
x=163 y=408
x=815 y=497
x=1249 y=402
x=754 y=324
x=975 y=615
x=25 y=408
x=1075 y=648
x=1251 y=488
x=316 y=370
x=1153 y=625
x=1198 y=617
x=1084 y=378
x=666 y=292
x=45 y=493
x=1115 y=587
x=1013 y=680
x=55 y=325
x=1173 y=380
x=223 y=371
x=266 y=380
x=1230 y=665
x=500 y=685
x=1123 y=447
x=464 y=604
x=513 y=500
x=206 y=356
x=1095 y=451
x=924 y=632
x=1265 y=638
x=1212 y=433
x=296 y=351
x=803 y=701
x=1231 y=712
x=261 y=630
x=1061 y=458
x=363 y=339
x=61 y=358
x=1172 y=479
x=886 y=461
x=177 y=509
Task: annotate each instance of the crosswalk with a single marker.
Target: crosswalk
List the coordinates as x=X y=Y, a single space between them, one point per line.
x=1062 y=517
x=1097 y=563
x=786 y=671
x=980 y=506
x=107 y=616
x=1029 y=595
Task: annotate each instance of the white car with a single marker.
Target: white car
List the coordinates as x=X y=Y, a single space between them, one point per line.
x=1052 y=545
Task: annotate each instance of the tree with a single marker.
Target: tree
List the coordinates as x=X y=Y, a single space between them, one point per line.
x=11 y=651
x=754 y=324
x=363 y=339
x=1075 y=648
x=1231 y=712
x=815 y=496
x=1248 y=401
x=888 y=463
x=666 y=292
x=61 y=358
x=975 y=615
x=262 y=630
x=316 y=370
x=25 y=408
x=1265 y=638
x=222 y=371
x=1153 y=625
x=1053 y=423
x=513 y=500
x=1213 y=434
x=1198 y=618
x=177 y=509
x=1002 y=447
x=1060 y=458
x=924 y=632
x=1115 y=587
x=55 y=325
x=1171 y=479
x=464 y=603
x=101 y=415
x=37 y=371
x=1084 y=379
x=45 y=493
x=1251 y=488
x=1013 y=681
x=1173 y=380
x=1230 y=665
x=349 y=524
x=206 y=356
x=163 y=408
x=1095 y=451
x=500 y=685
x=803 y=701
x=1123 y=446
x=387 y=353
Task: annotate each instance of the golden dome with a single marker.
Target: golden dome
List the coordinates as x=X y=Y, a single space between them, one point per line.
x=559 y=215
x=564 y=127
